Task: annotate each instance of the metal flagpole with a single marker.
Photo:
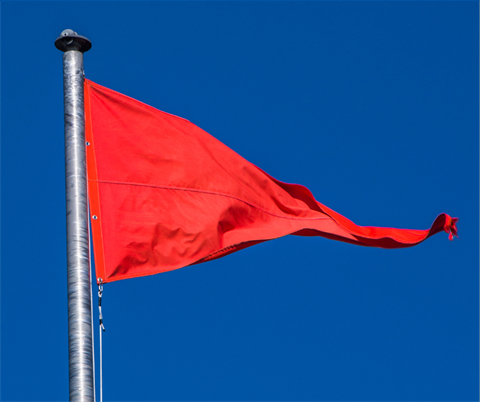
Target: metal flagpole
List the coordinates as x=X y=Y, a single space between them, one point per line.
x=80 y=351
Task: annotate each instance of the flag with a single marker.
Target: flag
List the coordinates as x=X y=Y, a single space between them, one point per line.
x=165 y=194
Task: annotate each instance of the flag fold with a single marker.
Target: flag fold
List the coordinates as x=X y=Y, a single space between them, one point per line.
x=165 y=194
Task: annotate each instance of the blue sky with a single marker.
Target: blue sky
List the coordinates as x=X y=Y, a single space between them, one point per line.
x=371 y=105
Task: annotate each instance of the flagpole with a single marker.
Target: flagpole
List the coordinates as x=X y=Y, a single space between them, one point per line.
x=80 y=350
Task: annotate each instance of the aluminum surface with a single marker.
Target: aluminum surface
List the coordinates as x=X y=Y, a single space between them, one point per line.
x=80 y=350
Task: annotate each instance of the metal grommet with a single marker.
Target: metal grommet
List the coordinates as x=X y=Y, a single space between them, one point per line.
x=94 y=217
x=88 y=143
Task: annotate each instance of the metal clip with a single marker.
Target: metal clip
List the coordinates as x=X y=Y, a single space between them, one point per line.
x=100 y=293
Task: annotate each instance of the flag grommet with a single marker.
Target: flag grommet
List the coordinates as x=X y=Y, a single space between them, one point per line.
x=87 y=143
x=94 y=217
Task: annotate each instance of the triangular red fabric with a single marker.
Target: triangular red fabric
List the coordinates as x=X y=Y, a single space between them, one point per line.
x=165 y=194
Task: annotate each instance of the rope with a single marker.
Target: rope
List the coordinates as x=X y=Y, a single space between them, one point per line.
x=91 y=304
x=101 y=329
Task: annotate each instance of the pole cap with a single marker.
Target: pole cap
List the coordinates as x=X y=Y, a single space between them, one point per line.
x=70 y=40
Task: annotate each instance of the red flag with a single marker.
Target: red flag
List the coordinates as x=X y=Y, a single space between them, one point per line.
x=165 y=194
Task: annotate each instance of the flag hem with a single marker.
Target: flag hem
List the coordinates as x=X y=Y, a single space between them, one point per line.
x=93 y=191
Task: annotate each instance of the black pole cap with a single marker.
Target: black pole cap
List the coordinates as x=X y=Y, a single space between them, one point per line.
x=69 y=40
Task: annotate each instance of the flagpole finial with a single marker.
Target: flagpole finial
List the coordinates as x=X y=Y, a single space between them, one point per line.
x=70 y=40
